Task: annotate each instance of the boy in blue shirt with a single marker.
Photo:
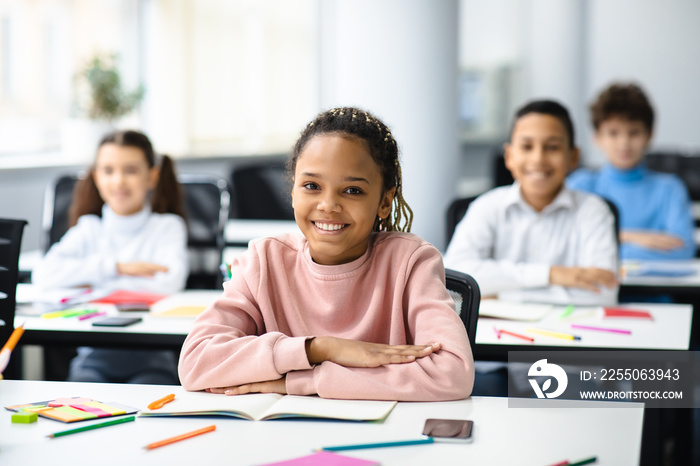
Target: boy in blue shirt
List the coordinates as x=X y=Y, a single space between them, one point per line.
x=655 y=214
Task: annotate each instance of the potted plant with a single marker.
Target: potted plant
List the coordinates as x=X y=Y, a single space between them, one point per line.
x=107 y=100
x=100 y=101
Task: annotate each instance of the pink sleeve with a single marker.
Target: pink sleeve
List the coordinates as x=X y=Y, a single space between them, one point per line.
x=228 y=344
x=445 y=375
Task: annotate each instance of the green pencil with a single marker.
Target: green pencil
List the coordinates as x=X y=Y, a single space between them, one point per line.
x=590 y=460
x=567 y=311
x=93 y=426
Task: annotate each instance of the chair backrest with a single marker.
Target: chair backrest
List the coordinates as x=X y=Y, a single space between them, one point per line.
x=685 y=166
x=207 y=202
x=261 y=191
x=57 y=200
x=467 y=296
x=501 y=176
x=616 y=215
x=10 y=242
x=455 y=212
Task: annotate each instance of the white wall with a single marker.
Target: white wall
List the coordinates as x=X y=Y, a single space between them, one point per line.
x=571 y=50
x=398 y=59
x=656 y=44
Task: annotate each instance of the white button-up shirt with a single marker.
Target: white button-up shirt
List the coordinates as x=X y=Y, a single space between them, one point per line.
x=509 y=247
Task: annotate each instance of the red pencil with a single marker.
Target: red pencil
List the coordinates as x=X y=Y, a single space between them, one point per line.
x=516 y=335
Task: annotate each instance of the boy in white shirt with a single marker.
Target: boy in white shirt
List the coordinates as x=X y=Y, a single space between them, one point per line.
x=536 y=240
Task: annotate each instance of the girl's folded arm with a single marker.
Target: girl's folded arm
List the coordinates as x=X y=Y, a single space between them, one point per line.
x=69 y=262
x=228 y=346
x=447 y=374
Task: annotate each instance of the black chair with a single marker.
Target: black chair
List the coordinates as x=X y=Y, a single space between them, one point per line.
x=456 y=212
x=467 y=296
x=500 y=174
x=207 y=202
x=57 y=200
x=10 y=241
x=261 y=191
x=685 y=166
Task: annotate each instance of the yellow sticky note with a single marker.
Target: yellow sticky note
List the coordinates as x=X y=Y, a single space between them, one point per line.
x=110 y=409
x=182 y=311
x=68 y=414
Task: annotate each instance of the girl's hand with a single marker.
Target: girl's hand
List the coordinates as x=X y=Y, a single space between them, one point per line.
x=270 y=386
x=588 y=278
x=660 y=241
x=139 y=269
x=351 y=353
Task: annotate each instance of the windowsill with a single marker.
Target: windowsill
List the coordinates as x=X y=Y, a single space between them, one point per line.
x=55 y=159
x=46 y=159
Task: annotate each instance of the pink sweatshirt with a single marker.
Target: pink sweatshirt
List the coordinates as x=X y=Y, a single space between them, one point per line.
x=278 y=298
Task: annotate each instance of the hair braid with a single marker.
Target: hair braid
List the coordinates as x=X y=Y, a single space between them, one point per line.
x=383 y=149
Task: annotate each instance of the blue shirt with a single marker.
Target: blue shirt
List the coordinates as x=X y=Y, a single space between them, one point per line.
x=646 y=200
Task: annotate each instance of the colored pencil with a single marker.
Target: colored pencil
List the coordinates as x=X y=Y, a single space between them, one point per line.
x=177 y=438
x=567 y=312
x=68 y=299
x=93 y=426
x=361 y=446
x=14 y=338
x=516 y=335
x=590 y=460
x=9 y=346
x=91 y=315
x=602 y=329
x=551 y=333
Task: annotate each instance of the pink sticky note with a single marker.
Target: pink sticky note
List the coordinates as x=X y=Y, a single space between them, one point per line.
x=324 y=458
x=90 y=409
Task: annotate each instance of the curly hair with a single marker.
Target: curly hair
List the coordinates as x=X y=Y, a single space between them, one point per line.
x=622 y=100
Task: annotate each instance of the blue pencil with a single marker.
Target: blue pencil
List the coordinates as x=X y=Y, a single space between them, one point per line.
x=399 y=443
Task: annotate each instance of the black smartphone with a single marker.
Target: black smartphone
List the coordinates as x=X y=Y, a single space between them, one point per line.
x=449 y=430
x=116 y=321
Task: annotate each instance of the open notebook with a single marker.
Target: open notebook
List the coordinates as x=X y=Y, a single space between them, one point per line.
x=529 y=312
x=264 y=406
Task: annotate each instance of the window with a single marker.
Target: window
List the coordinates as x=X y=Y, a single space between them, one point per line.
x=221 y=77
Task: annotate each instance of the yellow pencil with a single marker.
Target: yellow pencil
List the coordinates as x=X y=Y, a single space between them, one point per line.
x=550 y=333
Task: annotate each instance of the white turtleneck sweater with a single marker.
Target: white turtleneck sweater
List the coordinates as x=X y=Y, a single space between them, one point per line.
x=88 y=253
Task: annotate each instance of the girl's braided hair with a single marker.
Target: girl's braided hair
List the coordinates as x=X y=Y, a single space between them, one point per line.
x=357 y=123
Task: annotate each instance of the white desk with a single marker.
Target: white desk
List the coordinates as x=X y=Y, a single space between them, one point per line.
x=688 y=282
x=239 y=232
x=502 y=435
x=670 y=329
x=152 y=332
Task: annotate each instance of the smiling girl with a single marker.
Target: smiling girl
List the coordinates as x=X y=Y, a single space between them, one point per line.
x=355 y=308
x=128 y=233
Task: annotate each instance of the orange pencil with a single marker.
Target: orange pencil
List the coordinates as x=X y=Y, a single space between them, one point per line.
x=177 y=438
x=9 y=346
x=159 y=403
x=14 y=338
